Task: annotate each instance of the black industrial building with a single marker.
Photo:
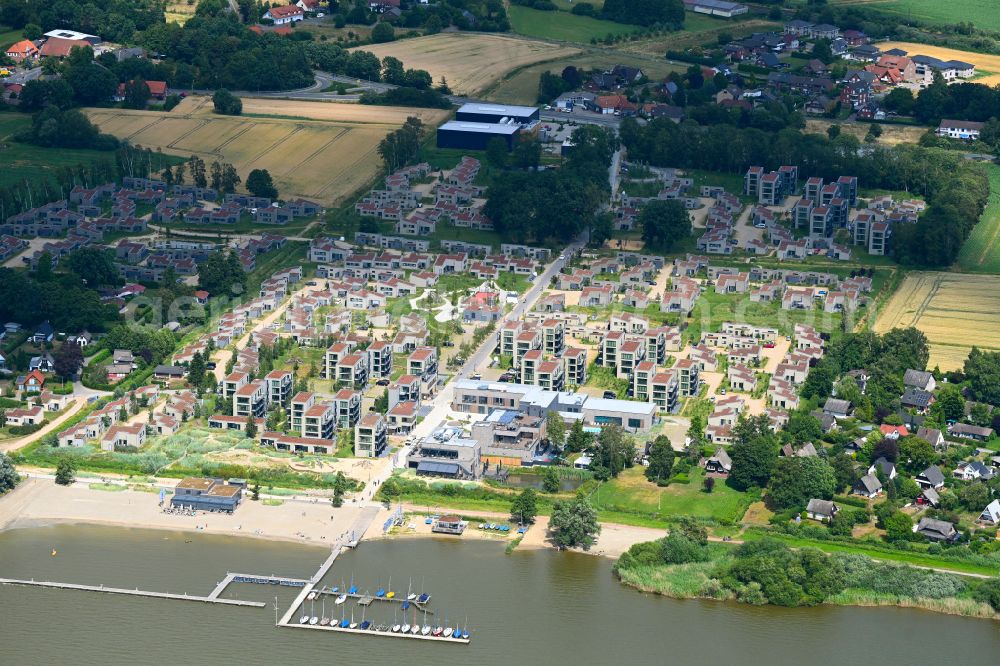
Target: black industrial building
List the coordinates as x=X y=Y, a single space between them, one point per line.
x=475 y=136
x=497 y=113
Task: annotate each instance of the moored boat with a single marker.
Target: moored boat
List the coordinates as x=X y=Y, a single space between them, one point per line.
x=341 y=599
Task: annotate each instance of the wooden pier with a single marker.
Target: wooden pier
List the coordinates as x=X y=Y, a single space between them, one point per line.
x=387 y=634
x=134 y=593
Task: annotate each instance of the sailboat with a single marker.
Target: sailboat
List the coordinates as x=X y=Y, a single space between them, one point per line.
x=465 y=629
x=304 y=619
x=448 y=631
x=426 y=629
x=324 y=620
x=312 y=613
x=340 y=599
x=389 y=594
x=354 y=588
x=343 y=620
x=410 y=595
x=364 y=623
x=353 y=625
x=414 y=628
x=406 y=604
x=395 y=625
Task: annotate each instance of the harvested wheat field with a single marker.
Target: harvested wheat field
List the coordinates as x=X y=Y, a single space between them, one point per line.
x=985 y=63
x=315 y=150
x=470 y=63
x=954 y=310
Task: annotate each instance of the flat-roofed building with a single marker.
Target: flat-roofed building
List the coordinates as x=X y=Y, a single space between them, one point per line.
x=206 y=495
x=447 y=452
x=509 y=438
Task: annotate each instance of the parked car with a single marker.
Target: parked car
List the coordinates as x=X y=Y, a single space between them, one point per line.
x=610 y=395
x=382 y=382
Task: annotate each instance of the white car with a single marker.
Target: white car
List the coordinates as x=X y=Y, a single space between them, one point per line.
x=562 y=256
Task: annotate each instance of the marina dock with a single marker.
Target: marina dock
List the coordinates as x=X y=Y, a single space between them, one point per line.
x=256 y=579
x=387 y=634
x=368 y=599
x=134 y=593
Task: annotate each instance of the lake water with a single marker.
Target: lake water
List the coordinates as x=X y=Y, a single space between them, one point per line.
x=530 y=607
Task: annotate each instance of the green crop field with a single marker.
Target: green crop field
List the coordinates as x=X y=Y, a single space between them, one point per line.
x=981 y=13
x=981 y=251
x=562 y=26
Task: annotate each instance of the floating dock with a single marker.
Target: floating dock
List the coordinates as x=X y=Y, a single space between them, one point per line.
x=133 y=593
x=387 y=634
x=256 y=579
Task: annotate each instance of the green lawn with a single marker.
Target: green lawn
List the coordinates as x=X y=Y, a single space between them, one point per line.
x=981 y=251
x=24 y=161
x=562 y=26
x=981 y=13
x=632 y=493
x=8 y=36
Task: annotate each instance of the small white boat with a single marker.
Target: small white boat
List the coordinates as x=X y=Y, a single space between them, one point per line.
x=411 y=596
x=324 y=622
x=304 y=619
x=341 y=599
x=353 y=625
x=448 y=631
x=314 y=620
x=405 y=629
x=395 y=628
x=310 y=596
x=415 y=629
x=426 y=629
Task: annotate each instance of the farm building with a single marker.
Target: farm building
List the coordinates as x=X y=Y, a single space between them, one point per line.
x=474 y=135
x=497 y=113
x=716 y=8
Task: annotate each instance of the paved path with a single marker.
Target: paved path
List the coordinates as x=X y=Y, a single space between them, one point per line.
x=52 y=426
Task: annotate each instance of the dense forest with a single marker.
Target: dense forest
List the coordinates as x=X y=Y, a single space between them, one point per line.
x=956 y=189
x=555 y=204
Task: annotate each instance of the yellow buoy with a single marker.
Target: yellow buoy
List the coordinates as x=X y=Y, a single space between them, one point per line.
x=54 y=551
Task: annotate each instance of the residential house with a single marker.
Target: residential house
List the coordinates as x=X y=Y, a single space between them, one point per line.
x=937 y=530
x=867 y=486
x=932 y=477
x=821 y=510
x=720 y=463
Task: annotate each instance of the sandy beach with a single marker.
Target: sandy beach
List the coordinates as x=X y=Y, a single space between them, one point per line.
x=613 y=540
x=39 y=501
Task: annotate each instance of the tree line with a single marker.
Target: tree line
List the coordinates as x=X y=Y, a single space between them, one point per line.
x=955 y=189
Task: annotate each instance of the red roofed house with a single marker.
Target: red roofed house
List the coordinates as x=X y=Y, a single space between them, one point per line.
x=157 y=90
x=893 y=432
x=284 y=15
x=22 y=50
x=57 y=47
x=617 y=104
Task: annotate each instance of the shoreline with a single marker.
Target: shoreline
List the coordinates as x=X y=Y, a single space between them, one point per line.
x=959 y=607
x=39 y=502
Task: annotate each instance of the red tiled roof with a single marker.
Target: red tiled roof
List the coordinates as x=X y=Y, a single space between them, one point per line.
x=59 y=48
